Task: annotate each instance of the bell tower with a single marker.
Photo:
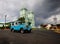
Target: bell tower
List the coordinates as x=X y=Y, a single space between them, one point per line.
x=23 y=12
x=31 y=18
x=28 y=15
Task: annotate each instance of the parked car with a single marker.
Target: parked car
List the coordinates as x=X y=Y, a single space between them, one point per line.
x=21 y=27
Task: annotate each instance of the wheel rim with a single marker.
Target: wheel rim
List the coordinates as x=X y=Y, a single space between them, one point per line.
x=22 y=31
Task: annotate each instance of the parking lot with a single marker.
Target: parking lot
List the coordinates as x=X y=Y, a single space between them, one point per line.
x=35 y=37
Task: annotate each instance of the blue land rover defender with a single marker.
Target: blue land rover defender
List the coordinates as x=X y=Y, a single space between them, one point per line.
x=21 y=27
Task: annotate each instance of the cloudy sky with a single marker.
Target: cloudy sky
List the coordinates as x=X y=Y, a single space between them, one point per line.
x=44 y=10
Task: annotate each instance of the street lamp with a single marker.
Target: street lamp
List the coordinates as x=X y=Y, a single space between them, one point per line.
x=5 y=21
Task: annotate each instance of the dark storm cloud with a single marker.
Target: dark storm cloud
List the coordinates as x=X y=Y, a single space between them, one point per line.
x=47 y=8
x=42 y=9
x=52 y=6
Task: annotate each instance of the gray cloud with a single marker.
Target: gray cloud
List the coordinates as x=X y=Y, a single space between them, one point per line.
x=47 y=9
x=12 y=8
x=43 y=9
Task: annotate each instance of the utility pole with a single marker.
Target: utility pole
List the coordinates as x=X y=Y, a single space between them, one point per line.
x=5 y=21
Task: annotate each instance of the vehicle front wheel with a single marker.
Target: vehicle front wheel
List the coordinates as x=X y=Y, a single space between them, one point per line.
x=12 y=30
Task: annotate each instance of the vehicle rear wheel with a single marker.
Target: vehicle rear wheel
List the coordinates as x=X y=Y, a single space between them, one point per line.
x=22 y=31
x=29 y=31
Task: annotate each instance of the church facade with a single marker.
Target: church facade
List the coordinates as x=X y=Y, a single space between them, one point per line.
x=28 y=15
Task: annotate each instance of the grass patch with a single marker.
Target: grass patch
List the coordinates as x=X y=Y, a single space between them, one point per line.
x=33 y=28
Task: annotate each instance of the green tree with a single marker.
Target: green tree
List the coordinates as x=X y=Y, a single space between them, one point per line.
x=22 y=19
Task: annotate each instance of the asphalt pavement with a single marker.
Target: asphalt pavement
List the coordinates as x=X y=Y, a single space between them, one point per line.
x=35 y=37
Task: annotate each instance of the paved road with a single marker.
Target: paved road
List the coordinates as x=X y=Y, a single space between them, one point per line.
x=36 y=37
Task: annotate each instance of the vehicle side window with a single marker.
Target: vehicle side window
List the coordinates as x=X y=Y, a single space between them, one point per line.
x=16 y=23
x=20 y=22
x=12 y=23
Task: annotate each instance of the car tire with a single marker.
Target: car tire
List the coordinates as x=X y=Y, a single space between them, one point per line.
x=22 y=31
x=29 y=31
x=11 y=30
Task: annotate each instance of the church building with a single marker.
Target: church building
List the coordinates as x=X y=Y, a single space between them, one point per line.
x=28 y=15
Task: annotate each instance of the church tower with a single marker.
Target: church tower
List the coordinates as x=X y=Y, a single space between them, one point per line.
x=23 y=12
x=28 y=15
x=31 y=18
